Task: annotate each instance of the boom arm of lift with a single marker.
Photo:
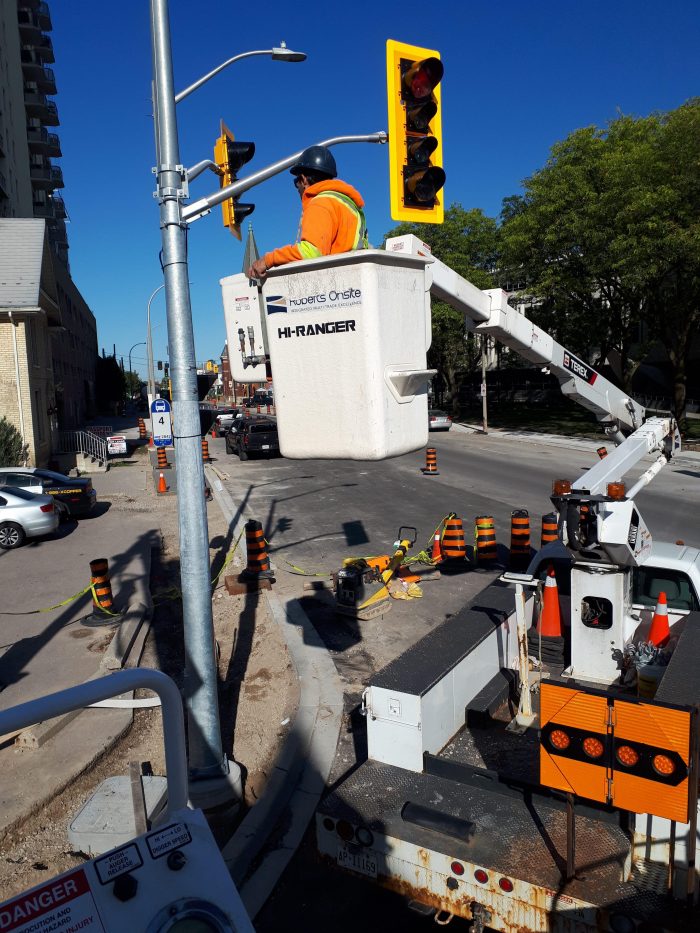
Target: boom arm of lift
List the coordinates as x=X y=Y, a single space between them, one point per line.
x=609 y=527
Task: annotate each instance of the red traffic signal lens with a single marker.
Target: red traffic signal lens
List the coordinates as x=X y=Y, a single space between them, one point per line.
x=423 y=77
x=423 y=186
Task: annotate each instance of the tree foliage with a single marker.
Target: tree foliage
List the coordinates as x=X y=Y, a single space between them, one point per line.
x=467 y=242
x=109 y=382
x=13 y=452
x=607 y=237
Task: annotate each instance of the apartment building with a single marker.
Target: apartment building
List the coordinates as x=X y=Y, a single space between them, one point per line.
x=48 y=334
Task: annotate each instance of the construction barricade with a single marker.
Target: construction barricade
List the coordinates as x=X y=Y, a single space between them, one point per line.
x=485 y=548
x=519 y=539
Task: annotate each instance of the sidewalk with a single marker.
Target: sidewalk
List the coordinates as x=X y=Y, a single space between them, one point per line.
x=553 y=440
x=46 y=651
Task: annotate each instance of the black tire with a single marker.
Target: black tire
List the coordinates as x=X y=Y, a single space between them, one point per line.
x=11 y=536
x=63 y=512
x=229 y=447
x=242 y=455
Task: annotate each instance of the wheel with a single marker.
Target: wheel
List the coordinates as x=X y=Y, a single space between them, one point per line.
x=11 y=535
x=63 y=511
x=229 y=448
x=242 y=454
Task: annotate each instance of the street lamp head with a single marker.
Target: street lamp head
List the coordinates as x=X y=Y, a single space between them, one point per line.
x=283 y=54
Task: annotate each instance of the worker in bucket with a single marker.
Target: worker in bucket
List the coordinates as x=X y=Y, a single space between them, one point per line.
x=332 y=219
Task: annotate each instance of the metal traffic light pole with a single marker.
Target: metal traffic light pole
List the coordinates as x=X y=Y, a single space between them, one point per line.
x=211 y=778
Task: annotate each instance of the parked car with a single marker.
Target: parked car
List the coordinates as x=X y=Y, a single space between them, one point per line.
x=438 y=420
x=25 y=515
x=253 y=436
x=75 y=496
x=224 y=418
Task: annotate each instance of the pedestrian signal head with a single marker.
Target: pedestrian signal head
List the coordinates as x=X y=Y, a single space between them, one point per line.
x=416 y=175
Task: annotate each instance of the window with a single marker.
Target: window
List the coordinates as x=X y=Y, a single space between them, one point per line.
x=648 y=582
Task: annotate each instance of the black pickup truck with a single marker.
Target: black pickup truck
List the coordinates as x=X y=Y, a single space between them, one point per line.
x=253 y=436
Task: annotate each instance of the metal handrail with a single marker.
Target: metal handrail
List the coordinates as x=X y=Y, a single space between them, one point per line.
x=84 y=442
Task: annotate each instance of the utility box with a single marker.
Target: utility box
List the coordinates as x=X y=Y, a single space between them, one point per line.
x=348 y=337
x=245 y=336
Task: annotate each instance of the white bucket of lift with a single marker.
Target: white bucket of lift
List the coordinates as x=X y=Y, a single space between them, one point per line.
x=348 y=337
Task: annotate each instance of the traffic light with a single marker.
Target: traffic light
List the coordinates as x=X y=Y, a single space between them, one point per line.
x=415 y=135
x=231 y=156
x=160 y=365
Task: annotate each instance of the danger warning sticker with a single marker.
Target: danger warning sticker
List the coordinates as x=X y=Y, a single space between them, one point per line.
x=64 y=904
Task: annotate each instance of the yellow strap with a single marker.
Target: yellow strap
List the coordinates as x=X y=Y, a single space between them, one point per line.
x=31 y=612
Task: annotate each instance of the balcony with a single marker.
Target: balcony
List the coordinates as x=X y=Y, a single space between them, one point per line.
x=40 y=176
x=44 y=17
x=43 y=142
x=57 y=177
x=44 y=209
x=32 y=63
x=45 y=80
x=54 y=149
x=28 y=22
x=59 y=206
x=57 y=232
x=44 y=48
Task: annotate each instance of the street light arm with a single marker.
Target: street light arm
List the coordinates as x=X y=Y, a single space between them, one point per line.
x=204 y=205
x=278 y=54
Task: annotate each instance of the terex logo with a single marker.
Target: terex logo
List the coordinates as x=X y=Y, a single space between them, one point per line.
x=276 y=304
x=579 y=368
x=311 y=330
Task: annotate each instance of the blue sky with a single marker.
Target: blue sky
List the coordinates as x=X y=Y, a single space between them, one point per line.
x=518 y=77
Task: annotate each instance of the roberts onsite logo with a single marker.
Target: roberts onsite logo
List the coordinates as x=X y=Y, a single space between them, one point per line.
x=276 y=304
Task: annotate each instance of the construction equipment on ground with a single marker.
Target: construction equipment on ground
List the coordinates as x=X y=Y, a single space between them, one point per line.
x=361 y=590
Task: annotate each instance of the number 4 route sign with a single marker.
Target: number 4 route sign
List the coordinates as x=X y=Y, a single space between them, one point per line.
x=161 y=425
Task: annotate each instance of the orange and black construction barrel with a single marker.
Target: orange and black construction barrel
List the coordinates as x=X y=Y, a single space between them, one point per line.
x=101 y=585
x=453 y=545
x=430 y=468
x=205 y=450
x=142 y=428
x=550 y=528
x=256 y=551
x=162 y=459
x=485 y=549
x=519 y=539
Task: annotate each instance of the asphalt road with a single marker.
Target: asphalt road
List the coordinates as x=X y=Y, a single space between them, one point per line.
x=315 y=513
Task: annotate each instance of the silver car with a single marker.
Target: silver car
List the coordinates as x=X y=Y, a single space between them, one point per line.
x=438 y=420
x=25 y=515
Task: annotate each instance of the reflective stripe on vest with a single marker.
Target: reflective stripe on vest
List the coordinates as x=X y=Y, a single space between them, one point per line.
x=361 y=240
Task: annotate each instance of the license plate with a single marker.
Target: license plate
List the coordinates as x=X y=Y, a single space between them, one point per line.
x=363 y=861
x=265 y=446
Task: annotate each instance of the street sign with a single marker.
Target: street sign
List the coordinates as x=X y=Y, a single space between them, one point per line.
x=161 y=423
x=116 y=444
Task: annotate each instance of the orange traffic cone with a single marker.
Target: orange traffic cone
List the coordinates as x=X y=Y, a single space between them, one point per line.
x=162 y=485
x=549 y=625
x=659 y=631
x=437 y=551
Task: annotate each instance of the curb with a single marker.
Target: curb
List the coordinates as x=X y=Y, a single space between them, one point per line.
x=300 y=774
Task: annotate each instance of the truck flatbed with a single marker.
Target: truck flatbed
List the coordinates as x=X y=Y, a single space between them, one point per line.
x=505 y=825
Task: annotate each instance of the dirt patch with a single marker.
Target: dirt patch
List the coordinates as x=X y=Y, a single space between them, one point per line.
x=258 y=696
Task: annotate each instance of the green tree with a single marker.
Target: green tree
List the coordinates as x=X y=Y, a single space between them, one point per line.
x=109 y=382
x=13 y=452
x=606 y=235
x=467 y=242
x=132 y=384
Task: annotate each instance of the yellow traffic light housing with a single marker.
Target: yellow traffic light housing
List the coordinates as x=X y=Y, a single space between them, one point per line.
x=416 y=175
x=230 y=156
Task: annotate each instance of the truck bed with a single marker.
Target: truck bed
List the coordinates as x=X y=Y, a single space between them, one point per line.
x=507 y=824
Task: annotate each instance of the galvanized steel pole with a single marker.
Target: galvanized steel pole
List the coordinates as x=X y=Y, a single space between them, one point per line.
x=206 y=758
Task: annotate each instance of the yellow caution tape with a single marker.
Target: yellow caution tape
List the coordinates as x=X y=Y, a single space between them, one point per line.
x=306 y=573
x=31 y=612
